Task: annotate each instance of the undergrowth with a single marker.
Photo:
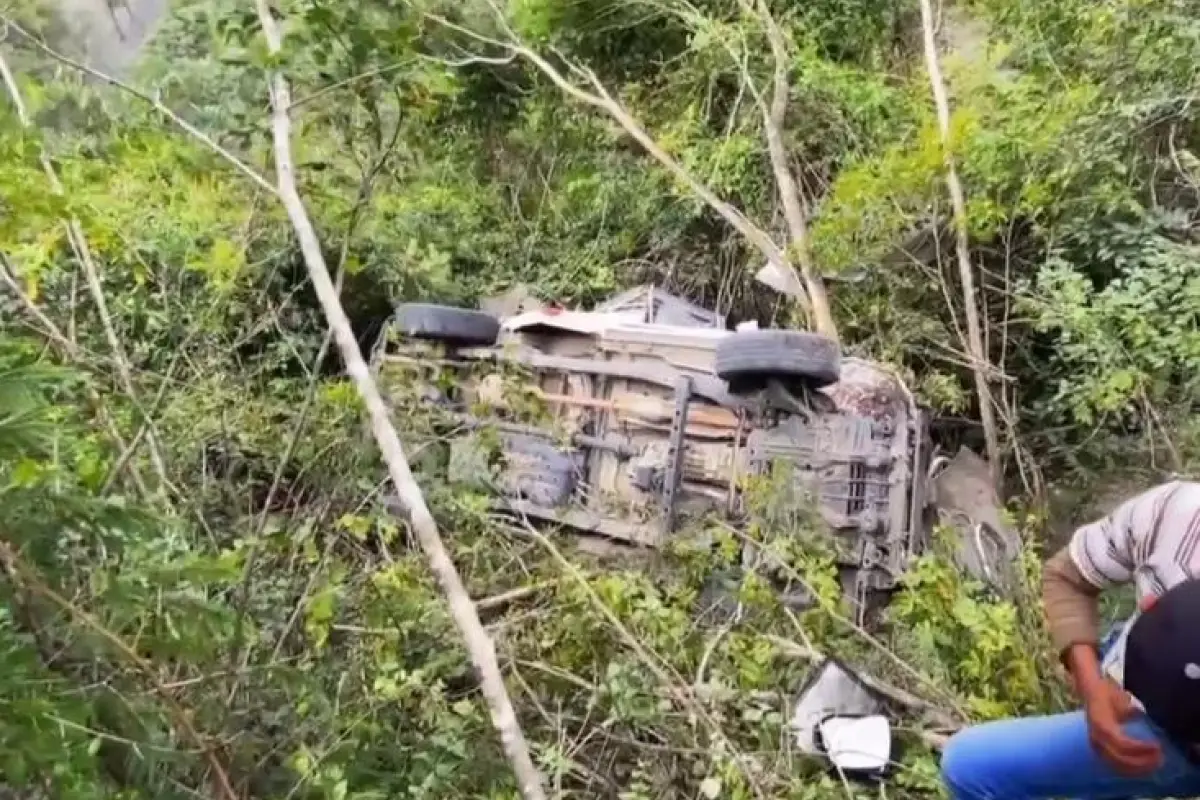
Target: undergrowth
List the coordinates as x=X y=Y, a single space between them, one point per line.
x=604 y=721
x=627 y=682
x=341 y=676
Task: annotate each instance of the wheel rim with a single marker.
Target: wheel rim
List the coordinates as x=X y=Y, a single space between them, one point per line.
x=989 y=549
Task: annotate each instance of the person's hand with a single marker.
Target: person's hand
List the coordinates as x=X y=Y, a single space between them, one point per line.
x=1107 y=705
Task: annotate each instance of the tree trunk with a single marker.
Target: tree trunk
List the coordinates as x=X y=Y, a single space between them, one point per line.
x=774 y=119
x=979 y=359
x=462 y=610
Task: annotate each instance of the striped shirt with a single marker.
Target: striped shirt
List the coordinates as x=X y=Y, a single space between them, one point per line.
x=1152 y=540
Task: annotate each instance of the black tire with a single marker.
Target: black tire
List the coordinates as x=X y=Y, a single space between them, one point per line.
x=460 y=326
x=749 y=358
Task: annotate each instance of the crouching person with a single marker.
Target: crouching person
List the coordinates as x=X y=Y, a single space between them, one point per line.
x=1137 y=734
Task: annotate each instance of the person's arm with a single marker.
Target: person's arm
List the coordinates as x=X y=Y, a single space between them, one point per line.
x=1102 y=554
x=1071 y=604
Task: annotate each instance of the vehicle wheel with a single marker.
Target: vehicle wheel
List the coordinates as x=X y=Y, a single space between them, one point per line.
x=747 y=359
x=460 y=326
x=986 y=555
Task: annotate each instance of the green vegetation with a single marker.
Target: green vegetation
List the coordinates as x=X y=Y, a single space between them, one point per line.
x=204 y=594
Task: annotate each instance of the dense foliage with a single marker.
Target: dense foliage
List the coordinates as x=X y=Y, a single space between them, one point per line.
x=201 y=573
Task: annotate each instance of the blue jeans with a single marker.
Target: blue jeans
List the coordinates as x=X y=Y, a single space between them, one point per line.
x=1050 y=757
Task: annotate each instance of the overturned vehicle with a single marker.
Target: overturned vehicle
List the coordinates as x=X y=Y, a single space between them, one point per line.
x=652 y=413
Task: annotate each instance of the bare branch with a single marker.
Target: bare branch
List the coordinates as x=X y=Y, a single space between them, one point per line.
x=144 y=429
x=597 y=96
x=462 y=610
x=980 y=365
x=512 y=596
x=47 y=327
x=84 y=254
x=353 y=79
x=774 y=119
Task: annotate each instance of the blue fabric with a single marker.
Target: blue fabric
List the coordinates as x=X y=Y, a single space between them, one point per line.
x=1050 y=757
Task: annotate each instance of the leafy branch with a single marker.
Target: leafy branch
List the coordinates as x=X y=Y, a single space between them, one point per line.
x=582 y=84
x=83 y=253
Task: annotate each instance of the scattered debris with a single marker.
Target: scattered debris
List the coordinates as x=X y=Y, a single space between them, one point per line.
x=858 y=747
x=831 y=691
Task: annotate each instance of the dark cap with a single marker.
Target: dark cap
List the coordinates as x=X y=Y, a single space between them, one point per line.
x=1162 y=662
